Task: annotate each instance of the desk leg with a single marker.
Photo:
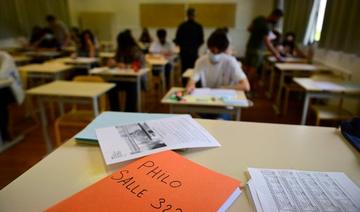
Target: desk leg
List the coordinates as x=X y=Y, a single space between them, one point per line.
x=44 y=124
x=277 y=104
x=305 y=109
x=171 y=109
x=61 y=107
x=271 y=83
x=138 y=93
x=238 y=114
x=95 y=106
x=163 y=81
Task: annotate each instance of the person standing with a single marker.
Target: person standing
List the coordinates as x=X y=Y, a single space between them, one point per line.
x=61 y=32
x=189 y=37
x=260 y=41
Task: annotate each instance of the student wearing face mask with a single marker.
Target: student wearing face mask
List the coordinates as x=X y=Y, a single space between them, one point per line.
x=217 y=69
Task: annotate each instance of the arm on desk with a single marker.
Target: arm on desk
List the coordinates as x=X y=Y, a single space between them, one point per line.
x=242 y=85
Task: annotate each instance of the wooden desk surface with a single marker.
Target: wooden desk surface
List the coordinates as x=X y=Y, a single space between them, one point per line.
x=5 y=83
x=75 y=61
x=300 y=67
x=71 y=89
x=107 y=54
x=43 y=53
x=288 y=59
x=167 y=100
x=45 y=68
x=157 y=59
x=73 y=166
x=334 y=86
x=118 y=72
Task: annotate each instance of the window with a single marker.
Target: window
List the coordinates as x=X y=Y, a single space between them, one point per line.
x=320 y=19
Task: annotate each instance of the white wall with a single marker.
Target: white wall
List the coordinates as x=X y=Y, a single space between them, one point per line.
x=127 y=16
x=348 y=63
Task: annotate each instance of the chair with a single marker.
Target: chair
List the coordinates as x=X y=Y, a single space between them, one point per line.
x=78 y=117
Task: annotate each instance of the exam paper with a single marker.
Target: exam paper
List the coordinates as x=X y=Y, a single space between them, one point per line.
x=126 y=142
x=292 y=190
x=329 y=86
x=216 y=93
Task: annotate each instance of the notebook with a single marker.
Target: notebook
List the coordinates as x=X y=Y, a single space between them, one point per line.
x=163 y=181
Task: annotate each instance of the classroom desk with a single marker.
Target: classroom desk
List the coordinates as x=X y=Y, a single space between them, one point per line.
x=21 y=59
x=293 y=70
x=122 y=75
x=334 y=89
x=106 y=55
x=45 y=55
x=53 y=71
x=214 y=107
x=158 y=62
x=67 y=92
x=269 y=64
x=74 y=166
x=79 y=62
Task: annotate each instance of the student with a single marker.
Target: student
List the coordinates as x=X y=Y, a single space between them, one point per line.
x=145 y=39
x=75 y=35
x=259 y=41
x=9 y=94
x=289 y=46
x=60 y=30
x=167 y=49
x=47 y=40
x=87 y=45
x=128 y=55
x=217 y=69
x=189 y=37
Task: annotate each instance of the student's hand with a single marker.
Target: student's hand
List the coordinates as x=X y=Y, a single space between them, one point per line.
x=280 y=58
x=121 y=65
x=189 y=88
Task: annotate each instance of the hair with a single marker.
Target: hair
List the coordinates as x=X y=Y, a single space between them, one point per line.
x=125 y=41
x=161 y=33
x=190 y=12
x=290 y=34
x=277 y=13
x=50 y=18
x=82 y=38
x=219 y=40
x=145 y=36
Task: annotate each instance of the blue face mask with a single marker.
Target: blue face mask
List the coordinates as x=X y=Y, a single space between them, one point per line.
x=215 y=58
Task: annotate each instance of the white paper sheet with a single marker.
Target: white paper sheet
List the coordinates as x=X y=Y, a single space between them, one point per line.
x=328 y=86
x=126 y=142
x=217 y=93
x=291 y=190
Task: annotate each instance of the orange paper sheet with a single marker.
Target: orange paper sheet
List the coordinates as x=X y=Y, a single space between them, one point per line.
x=162 y=181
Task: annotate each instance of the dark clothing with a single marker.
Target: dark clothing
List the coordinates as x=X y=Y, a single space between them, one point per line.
x=167 y=69
x=6 y=99
x=255 y=47
x=189 y=37
x=131 y=96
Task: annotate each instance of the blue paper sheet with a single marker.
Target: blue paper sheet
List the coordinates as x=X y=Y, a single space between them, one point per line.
x=108 y=119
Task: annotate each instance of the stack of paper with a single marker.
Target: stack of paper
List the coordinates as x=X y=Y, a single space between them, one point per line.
x=216 y=93
x=291 y=190
x=125 y=142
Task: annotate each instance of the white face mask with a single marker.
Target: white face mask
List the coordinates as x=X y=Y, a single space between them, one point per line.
x=49 y=36
x=215 y=58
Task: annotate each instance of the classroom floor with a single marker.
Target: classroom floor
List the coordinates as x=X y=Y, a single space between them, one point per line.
x=24 y=155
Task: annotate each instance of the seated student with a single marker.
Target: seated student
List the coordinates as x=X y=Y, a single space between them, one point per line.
x=75 y=35
x=217 y=69
x=87 y=45
x=9 y=94
x=46 y=40
x=289 y=46
x=167 y=49
x=128 y=55
x=145 y=40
